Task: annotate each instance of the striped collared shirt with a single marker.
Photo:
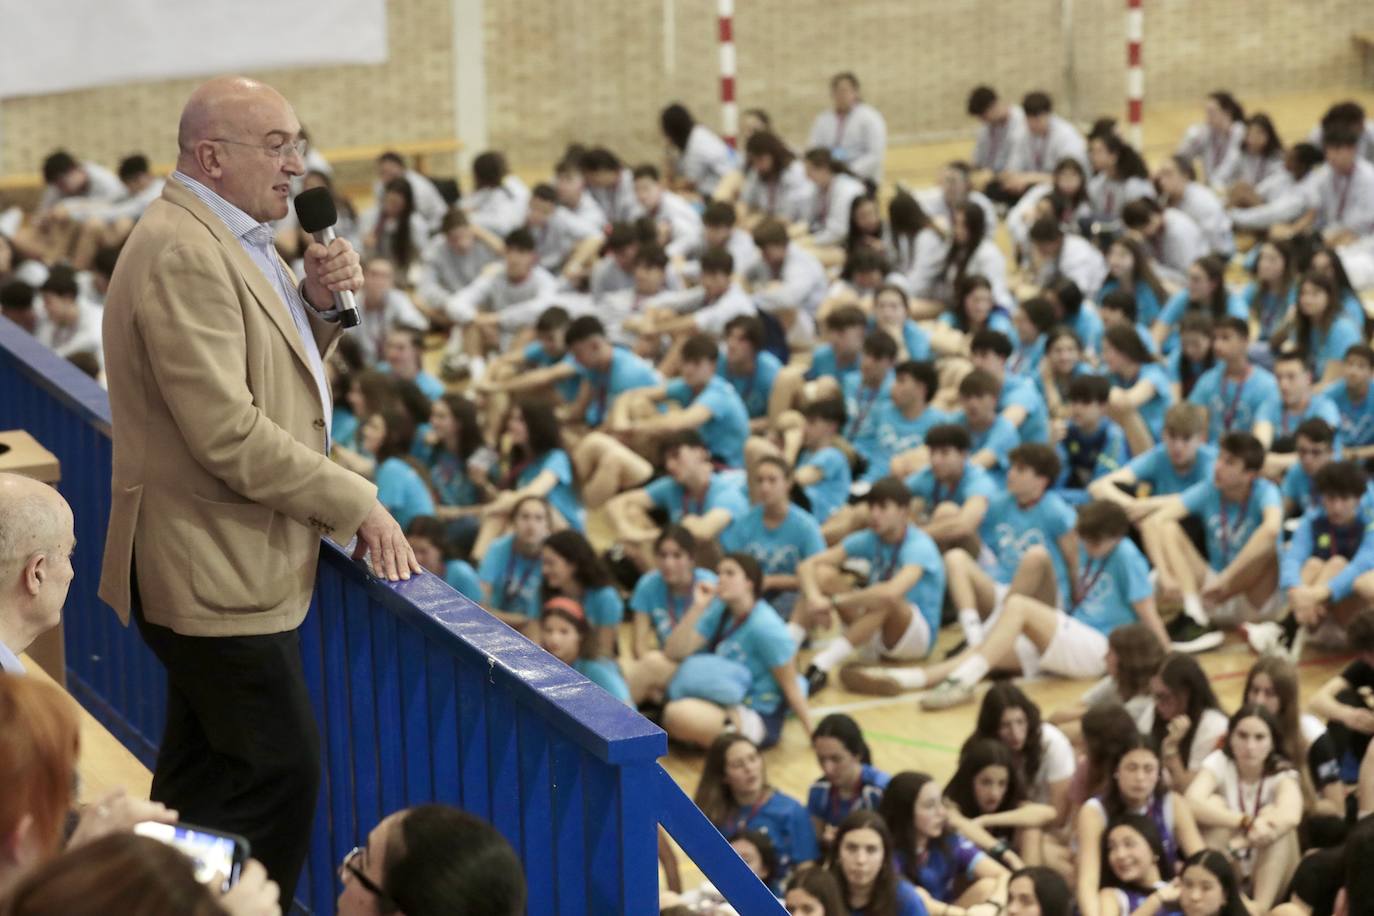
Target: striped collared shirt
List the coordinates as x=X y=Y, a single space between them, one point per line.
x=257 y=241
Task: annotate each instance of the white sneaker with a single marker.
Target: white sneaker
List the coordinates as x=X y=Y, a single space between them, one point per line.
x=1264 y=638
x=972 y=625
x=946 y=694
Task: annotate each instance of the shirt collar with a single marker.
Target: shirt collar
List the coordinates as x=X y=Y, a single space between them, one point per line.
x=239 y=223
x=9 y=662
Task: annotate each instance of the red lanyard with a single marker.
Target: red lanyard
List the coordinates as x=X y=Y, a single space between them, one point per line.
x=840 y=118
x=1038 y=148
x=1218 y=151
x=939 y=492
x=1344 y=193
x=891 y=565
x=1084 y=584
x=737 y=824
x=865 y=408
x=700 y=505
x=512 y=591
x=1228 y=415
x=1227 y=532
x=1240 y=799
x=672 y=607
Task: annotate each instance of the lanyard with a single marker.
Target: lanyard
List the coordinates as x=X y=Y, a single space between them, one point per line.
x=672 y=606
x=1343 y=195
x=840 y=119
x=1226 y=530
x=724 y=632
x=772 y=208
x=865 y=408
x=737 y=823
x=514 y=588
x=938 y=496
x=1038 y=151
x=1228 y=414
x=1259 y=793
x=890 y=566
x=693 y=507
x=1110 y=200
x=1218 y=150
x=1085 y=582
x=835 y=813
x=995 y=141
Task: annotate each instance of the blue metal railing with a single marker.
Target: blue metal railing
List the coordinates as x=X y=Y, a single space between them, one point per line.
x=420 y=696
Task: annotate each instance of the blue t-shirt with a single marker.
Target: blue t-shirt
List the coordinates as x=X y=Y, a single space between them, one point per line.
x=725 y=491
x=1009 y=530
x=1146 y=302
x=1152 y=411
x=1286 y=424
x=1297 y=487
x=832 y=490
x=1179 y=305
x=430 y=386
x=603 y=606
x=1233 y=405
x=536 y=357
x=779 y=550
x=915 y=549
x=861 y=404
x=1088 y=325
x=626 y=372
x=1229 y=525
x=561 y=497
x=725 y=432
x=999 y=438
x=824 y=364
x=651 y=596
x=401 y=490
x=449 y=474
x=344 y=428
x=753 y=389
x=944 y=863
x=1155 y=468
x=916 y=340
x=1268 y=308
x=891 y=434
x=973 y=482
x=783 y=820
x=1021 y=392
x=825 y=804
x=1331 y=344
x=1105 y=592
x=759 y=642
x=463 y=578
x=998 y=320
x=604 y=673
x=1357 y=417
x=514 y=578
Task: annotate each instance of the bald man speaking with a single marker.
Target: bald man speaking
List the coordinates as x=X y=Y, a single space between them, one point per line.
x=222 y=482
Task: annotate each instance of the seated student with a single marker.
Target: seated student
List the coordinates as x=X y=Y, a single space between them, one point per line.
x=836 y=191
x=1042 y=755
x=1120 y=307
x=1248 y=796
x=1297 y=404
x=429 y=203
x=1273 y=291
x=853 y=131
x=832 y=363
x=1320 y=331
x=678 y=222
x=733 y=623
x=430 y=542
x=1242 y=514
x=1034 y=321
x=861 y=861
x=454 y=258
x=610 y=184
x=896 y=614
x=898 y=425
x=1194 y=355
x=692 y=493
x=973 y=253
x=1120 y=178
x=986 y=802
x=862 y=272
x=699 y=160
x=1046 y=140
x=1179 y=188
x=512 y=567
x=1272 y=682
x=1286 y=193
x=1187 y=722
x=708 y=308
x=945 y=866
x=1343 y=702
x=501 y=300
x=776 y=532
x=824 y=464
x=1140 y=387
x=1238 y=395
x=735 y=795
x=915 y=244
x=892 y=315
x=1205 y=292
x=73 y=324
x=606 y=372
x=1216 y=140
x=993 y=436
x=787 y=281
x=1314 y=445
x=1133 y=656
x=1176 y=242
x=1181 y=459
x=1059 y=254
x=615 y=270
x=498 y=200
x=719 y=230
x=748 y=367
x=1018 y=400
x=625 y=312
x=1063 y=195
x=403 y=358
x=849 y=782
x=1329 y=263
x=659 y=602
x=398 y=229
x=950 y=496
x=1340 y=201
x=564 y=241
x=697 y=400
x=1075 y=310
x=535 y=465
x=1001 y=124
x=867 y=390
x=1324 y=568
x=1064 y=359
x=573 y=570
x=775 y=183
x=572 y=190
x=382 y=307
x=541 y=369
x=953 y=191
x=1092 y=446
x=1350 y=394
x=1129 y=270
x=402 y=486
x=565 y=633
x=974 y=310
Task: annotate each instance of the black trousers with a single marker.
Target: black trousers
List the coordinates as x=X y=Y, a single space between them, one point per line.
x=241 y=751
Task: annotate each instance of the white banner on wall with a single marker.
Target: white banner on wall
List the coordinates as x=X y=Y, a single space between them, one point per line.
x=59 y=45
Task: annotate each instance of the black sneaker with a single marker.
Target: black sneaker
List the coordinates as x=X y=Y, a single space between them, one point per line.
x=816 y=679
x=958 y=647
x=1191 y=637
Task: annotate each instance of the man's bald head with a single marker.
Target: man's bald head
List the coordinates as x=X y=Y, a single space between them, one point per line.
x=34 y=518
x=219 y=107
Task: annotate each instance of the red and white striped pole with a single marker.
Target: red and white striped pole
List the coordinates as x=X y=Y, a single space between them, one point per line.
x=1135 y=73
x=729 y=113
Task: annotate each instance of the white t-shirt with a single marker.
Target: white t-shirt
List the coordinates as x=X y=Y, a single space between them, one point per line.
x=1141 y=708
x=1240 y=796
x=1057 y=762
x=1211 y=731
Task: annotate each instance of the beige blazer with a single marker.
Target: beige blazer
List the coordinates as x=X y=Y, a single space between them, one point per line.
x=221 y=479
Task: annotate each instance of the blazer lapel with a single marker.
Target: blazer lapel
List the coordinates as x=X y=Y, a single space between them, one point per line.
x=258 y=284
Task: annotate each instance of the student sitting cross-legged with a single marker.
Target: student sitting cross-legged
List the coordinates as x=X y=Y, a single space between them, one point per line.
x=1326 y=567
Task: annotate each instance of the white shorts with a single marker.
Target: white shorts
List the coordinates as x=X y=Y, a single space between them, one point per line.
x=1075 y=651
x=1237 y=609
x=750 y=724
x=913 y=645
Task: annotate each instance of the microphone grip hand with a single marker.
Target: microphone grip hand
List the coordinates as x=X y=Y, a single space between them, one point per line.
x=333 y=273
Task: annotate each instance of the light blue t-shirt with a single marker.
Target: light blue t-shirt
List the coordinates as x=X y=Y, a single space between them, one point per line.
x=1229 y=525
x=1155 y=468
x=891 y=434
x=1269 y=309
x=781 y=549
x=603 y=606
x=536 y=357
x=1235 y=405
x=885 y=560
x=604 y=673
x=1357 y=417
x=1009 y=530
x=561 y=497
x=651 y=596
x=825 y=364
x=1147 y=305
x=1286 y=424
x=1088 y=325
x=1331 y=344
x=514 y=578
x=1152 y=411
x=463 y=578
x=1178 y=306
x=760 y=642
x=1296 y=487
x=449 y=474
x=832 y=490
x=999 y=438
x=861 y=404
x=753 y=389
x=626 y=372
x=1021 y=392
x=344 y=428
x=973 y=482
x=401 y=490
x=725 y=432
x=725 y=491
x=916 y=340
x=1105 y=592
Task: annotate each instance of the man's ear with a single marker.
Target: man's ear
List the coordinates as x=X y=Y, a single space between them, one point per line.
x=35 y=572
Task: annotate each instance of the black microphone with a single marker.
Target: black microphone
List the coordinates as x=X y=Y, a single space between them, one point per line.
x=316 y=213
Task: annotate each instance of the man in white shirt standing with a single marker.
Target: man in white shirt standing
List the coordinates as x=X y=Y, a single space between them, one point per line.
x=853 y=131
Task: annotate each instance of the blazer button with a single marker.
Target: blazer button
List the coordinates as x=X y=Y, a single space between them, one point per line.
x=319 y=423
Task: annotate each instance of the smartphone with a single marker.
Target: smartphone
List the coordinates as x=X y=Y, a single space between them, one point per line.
x=213 y=853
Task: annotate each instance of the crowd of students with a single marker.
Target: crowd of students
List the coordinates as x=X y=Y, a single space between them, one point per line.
x=812 y=411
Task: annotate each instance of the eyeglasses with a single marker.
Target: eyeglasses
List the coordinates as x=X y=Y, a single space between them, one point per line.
x=275 y=150
x=348 y=868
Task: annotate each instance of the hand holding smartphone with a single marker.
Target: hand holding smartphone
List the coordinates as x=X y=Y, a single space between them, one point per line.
x=213 y=853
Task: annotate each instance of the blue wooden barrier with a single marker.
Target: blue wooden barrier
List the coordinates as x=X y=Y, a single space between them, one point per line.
x=420 y=696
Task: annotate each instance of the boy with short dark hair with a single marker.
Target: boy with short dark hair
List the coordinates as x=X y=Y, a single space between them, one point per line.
x=1093 y=446
x=1018 y=400
x=993 y=436
x=1326 y=567
x=1351 y=395
x=1237 y=394
x=950 y=495
x=1316 y=446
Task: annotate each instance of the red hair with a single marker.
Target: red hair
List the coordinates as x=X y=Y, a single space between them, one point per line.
x=37 y=757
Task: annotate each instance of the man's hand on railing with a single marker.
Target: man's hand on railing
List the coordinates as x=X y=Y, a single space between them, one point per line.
x=381 y=537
